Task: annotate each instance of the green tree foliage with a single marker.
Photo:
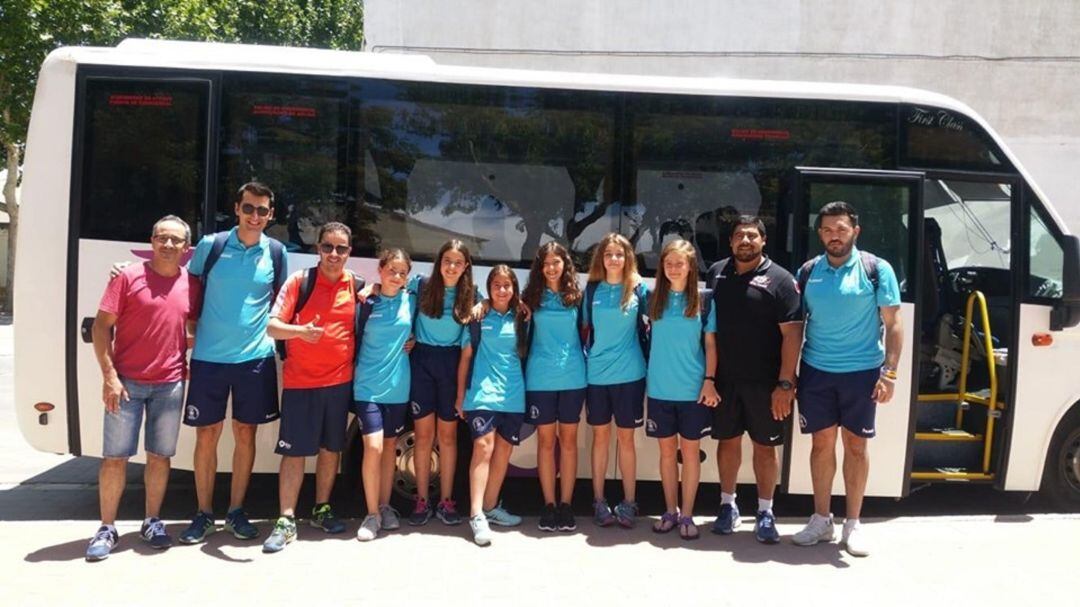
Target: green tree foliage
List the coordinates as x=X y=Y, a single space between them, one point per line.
x=30 y=29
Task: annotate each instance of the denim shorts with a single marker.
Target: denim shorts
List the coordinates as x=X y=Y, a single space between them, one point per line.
x=163 y=405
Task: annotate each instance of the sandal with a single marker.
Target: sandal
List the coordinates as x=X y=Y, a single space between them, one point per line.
x=687 y=529
x=667 y=522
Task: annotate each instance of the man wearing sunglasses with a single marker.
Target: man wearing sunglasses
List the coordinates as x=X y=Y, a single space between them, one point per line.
x=233 y=354
x=313 y=315
x=152 y=306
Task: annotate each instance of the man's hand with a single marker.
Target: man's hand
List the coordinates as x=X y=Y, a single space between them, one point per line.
x=708 y=395
x=883 y=390
x=113 y=393
x=781 y=403
x=118 y=267
x=311 y=332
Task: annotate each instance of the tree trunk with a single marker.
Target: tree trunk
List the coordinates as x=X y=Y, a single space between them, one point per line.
x=12 y=208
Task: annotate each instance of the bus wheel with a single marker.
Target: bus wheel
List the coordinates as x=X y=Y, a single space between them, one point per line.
x=405 y=471
x=1061 y=480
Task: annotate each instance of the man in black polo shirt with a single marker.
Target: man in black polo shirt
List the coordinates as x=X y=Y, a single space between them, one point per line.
x=758 y=335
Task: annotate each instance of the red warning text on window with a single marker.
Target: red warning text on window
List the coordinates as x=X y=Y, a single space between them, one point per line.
x=761 y=134
x=293 y=111
x=141 y=100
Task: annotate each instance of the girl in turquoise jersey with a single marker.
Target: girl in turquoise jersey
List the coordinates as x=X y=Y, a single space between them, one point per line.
x=381 y=388
x=555 y=377
x=680 y=380
x=446 y=302
x=491 y=399
x=616 y=371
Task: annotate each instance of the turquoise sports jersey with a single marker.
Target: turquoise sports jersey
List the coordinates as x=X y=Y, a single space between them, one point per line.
x=556 y=361
x=382 y=370
x=843 y=323
x=497 y=381
x=444 y=331
x=615 y=356
x=236 y=302
x=677 y=358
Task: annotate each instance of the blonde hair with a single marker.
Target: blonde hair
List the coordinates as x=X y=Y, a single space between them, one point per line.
x=663 y=285
x=630 y=276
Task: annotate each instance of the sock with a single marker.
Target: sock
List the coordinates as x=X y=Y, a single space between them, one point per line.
x=727 y=498
x=110 y=527
x=317 y=506
x=851 y=522
x=764 y=505
x=147 y=520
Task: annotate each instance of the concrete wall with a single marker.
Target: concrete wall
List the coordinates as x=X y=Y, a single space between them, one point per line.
x=1016 y=63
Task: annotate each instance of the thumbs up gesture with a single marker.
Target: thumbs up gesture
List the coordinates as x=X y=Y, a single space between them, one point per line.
x=312 y=332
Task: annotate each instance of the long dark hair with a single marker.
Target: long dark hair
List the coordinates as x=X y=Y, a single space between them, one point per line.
x=658 y=300
x=520 y=326
x=431 y=298
x=568 y=284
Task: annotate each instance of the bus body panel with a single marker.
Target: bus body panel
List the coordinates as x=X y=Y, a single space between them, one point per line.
x=41 y=273
x=889 y=447
x=1045 y=390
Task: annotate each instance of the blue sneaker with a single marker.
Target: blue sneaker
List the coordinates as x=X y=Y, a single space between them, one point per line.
x=201 y=526
x=765 y=528
x=626 y=514
x=323 y=517
x=153 y=533
x=101 y=544
x=283 y=534
x=602 y=516
x=237 y=523
x=500 y=516
x=728 y=521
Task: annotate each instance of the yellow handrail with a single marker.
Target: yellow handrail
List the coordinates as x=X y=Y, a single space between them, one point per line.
x=965 y=362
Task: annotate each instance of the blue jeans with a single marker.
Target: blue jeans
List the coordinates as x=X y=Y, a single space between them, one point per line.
x=163 y=404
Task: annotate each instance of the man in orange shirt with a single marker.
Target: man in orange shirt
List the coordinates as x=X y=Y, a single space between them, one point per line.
x=318 y=373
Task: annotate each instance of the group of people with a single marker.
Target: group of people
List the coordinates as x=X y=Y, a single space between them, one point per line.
x=722 y=361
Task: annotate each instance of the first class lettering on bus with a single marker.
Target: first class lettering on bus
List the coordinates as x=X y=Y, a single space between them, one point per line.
x=292 y=111
x=120 y=99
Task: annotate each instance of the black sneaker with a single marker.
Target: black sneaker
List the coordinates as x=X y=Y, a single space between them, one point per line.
x=153 y=533
x=564 y=518
x=548 y=520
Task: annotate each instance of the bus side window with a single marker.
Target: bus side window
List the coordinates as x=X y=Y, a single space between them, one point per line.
x=1046 y=261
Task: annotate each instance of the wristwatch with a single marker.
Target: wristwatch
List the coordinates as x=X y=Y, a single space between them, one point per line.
x=785 y=385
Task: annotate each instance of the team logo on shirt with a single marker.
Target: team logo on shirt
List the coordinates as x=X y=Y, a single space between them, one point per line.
x=760 y=282
x=192 y=412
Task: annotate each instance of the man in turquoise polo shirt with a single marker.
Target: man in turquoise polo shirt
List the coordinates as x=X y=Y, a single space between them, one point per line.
x=233 y=355
x=847 y=369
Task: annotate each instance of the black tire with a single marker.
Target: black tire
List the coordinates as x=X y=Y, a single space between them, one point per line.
x=1061 y=477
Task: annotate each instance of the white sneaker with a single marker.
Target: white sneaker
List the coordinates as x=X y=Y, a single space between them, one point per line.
x=819 y=529
x=480 y=529
x=369 y=528
x=854 y=539
x=390 y=518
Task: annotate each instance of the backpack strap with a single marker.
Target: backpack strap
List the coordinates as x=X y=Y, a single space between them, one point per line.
x=870 y=266
x=585 y=315
x=704 y=299
x=216 y=248
x=307 y=286
x=277 y=256
x=474 y=341
x=643 y=330
x=803 y=275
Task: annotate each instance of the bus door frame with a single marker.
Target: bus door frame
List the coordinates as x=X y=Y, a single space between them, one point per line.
x=801 y=233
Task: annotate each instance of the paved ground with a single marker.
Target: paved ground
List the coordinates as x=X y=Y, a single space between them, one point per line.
x=999 y=549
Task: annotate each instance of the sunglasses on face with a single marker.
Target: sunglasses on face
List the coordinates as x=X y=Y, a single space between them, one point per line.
x=247 y=209
x=174 y=240
x=327 y=248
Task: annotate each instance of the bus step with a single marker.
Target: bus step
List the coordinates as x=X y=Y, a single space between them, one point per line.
x=939 y=414
x=948 y=434
x=950 y=474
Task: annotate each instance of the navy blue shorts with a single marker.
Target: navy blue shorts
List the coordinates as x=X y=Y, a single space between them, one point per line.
x=253 y=385
x=624 y=402
x=830 y=399
x=508 y=425
x=550 y=406
x=373 y=417
x=434 y=381
x=689 y=419
x=312 y=418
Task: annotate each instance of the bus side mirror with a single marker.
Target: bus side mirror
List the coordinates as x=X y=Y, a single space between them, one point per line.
x=1066 y=313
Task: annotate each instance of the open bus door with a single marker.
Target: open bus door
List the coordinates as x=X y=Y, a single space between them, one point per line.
x=889 y=204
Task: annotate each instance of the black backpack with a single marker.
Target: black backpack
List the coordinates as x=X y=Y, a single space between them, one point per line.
x=588 y=329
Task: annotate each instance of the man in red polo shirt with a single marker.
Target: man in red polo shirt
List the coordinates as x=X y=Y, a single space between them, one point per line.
x=318 y=375
x=153 y=307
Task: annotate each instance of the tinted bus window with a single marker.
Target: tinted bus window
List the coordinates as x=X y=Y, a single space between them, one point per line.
x=938 y=138
x=1046 y=258
x=144 y=155
x=290 y=133
x=698 y=163
x=503 y=169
